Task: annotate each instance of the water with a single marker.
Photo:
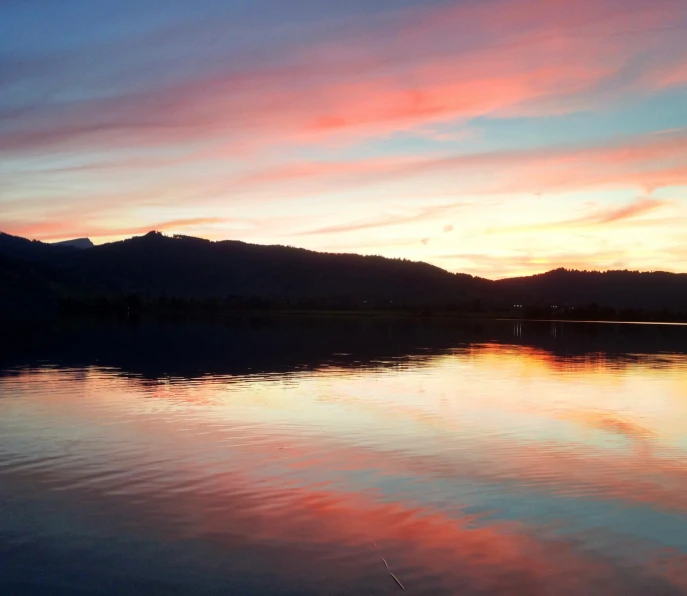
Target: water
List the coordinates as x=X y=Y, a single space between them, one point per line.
x=304 y=456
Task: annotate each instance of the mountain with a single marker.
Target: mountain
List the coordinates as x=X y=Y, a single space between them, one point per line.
x=157 y=269
x=157 y=266
x=186 y=266
x=81 y=243
x=32 y=250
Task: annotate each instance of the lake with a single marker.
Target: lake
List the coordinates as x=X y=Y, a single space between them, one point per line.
x=312 y=456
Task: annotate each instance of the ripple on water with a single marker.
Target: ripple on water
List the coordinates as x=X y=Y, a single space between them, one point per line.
x=482 y=469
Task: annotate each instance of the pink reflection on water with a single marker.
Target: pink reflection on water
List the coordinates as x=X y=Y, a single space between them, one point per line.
x=319 y=468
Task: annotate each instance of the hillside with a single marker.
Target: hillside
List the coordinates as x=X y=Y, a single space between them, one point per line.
x=29 y=287
x=157 y=269
x=617 y=289
x=159 y=266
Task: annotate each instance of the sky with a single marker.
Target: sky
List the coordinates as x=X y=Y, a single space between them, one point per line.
x=492 y=137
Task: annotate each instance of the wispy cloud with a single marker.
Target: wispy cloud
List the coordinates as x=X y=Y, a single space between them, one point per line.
x=645 y=161
x=383 y=222
x=417 y=67
x=614 y=214
x=509 y=264
x=343 y=119
x=608 y=215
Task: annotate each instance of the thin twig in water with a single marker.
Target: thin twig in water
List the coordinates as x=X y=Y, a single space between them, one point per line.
x=398 y=581
x=386 y=564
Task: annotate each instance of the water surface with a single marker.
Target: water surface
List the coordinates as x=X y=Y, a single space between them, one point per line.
x=308 y=456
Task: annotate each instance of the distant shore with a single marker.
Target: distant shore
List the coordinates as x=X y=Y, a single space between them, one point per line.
x=191 y=311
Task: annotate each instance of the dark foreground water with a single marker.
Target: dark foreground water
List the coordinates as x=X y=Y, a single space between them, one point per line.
x=312 y=456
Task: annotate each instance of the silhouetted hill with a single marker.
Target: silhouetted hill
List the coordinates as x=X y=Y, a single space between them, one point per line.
x=183 y=267
x=81 y=243
x=32 y=250
x=161 y=271
x=618 y=289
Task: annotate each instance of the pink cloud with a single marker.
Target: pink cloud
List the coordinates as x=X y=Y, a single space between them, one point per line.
x=226 y=137
x=647 y=162
x=432 y=65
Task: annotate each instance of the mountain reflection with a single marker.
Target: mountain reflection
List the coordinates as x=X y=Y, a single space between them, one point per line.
x=304 y=456
x=264 y=345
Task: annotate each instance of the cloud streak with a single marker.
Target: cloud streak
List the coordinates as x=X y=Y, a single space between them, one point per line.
x=647 y=162
x=408 y=71
x=335 y=119
x=612 y=215
x=383 y=222
x=599 y=217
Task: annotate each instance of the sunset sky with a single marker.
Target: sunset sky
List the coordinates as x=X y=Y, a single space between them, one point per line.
x=494 y=137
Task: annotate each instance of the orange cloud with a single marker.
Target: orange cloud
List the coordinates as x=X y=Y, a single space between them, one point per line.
x=639 y=207
x=391 y=220
x=506 y=264
x=596 y=218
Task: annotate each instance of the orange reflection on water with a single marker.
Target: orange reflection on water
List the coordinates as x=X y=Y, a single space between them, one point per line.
x=329 y=462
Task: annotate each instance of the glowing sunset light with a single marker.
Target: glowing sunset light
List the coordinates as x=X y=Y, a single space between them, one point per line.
x=498 y=138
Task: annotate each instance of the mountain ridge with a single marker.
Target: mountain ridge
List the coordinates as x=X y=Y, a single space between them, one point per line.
x=82 y=243
x=157 y=234
x=159 y=267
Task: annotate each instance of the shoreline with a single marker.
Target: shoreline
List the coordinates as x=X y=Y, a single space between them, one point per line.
x=425 y=314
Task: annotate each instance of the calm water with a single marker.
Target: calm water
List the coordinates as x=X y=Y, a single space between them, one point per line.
x=305 y=456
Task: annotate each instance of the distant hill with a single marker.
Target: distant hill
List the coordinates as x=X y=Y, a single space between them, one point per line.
x=617 y=289
x=157 y=269
x=81 y=243
x=32 y=250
